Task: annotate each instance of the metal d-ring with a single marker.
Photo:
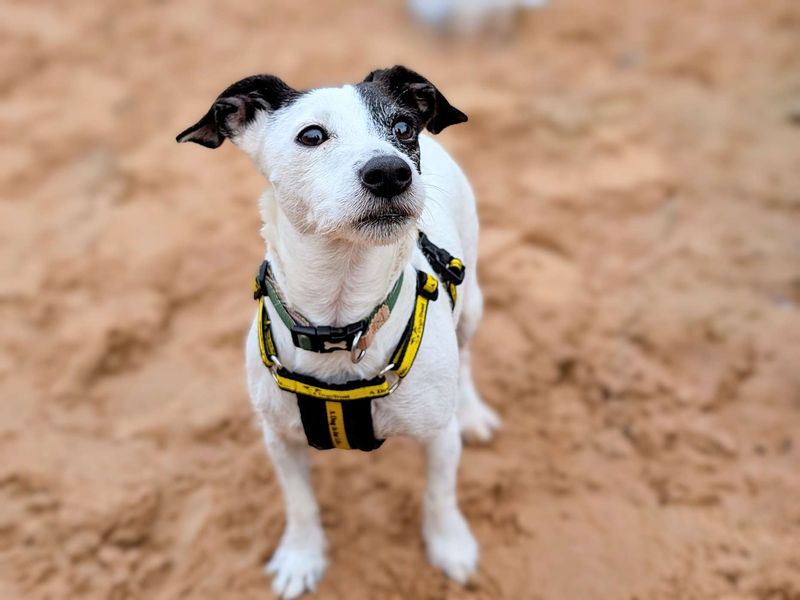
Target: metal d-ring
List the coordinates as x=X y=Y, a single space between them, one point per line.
x=385 y=371
x=274 y=360
x=397 y=381
x=356 y=353
x=273 y=370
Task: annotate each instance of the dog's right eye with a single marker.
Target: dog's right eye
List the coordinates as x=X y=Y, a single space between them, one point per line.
x=312 y=136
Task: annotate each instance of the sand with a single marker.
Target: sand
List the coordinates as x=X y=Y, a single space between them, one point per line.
x=636 y=165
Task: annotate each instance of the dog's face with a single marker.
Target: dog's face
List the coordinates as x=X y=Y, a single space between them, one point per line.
x=343 y=161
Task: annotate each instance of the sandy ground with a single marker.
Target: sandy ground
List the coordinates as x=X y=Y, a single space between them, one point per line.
x=636 y=165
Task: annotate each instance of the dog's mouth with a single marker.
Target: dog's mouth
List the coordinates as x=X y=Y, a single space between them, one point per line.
x=396 y=215
x=381 y=227
x=384 y=218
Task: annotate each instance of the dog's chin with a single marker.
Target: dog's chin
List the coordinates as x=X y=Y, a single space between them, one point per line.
x=383 y=228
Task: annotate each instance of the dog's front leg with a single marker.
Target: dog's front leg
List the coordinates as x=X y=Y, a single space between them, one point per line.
x=299 y=561
x=450 y=544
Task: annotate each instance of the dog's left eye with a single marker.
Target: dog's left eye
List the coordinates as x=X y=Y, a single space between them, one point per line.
x=312 y=136
x=403 y=131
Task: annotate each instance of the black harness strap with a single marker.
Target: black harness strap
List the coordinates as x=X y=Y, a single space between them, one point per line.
x=330 y=424
x=449 y=268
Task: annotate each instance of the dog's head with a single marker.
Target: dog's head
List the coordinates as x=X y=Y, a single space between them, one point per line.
x=343 y=161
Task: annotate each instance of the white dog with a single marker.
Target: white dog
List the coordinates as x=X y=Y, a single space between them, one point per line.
x=353 y=342
x=471 y=17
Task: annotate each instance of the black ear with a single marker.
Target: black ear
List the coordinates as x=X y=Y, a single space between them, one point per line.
x=414 y=90
x=236 y=107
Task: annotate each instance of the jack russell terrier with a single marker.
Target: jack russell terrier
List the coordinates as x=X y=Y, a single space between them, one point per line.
x=368 y=294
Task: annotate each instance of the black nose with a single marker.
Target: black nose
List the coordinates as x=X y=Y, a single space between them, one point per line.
x=386 y=176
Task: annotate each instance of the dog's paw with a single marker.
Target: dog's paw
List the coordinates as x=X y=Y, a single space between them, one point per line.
x=477 y=422
x=451 y=546
x=296 y=567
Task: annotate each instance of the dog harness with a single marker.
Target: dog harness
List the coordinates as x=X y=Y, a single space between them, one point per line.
x=340 y=415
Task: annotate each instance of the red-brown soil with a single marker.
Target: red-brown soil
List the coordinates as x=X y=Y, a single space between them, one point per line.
x=636 y=165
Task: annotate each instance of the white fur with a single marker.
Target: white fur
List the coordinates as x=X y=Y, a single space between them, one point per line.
x=334 y=275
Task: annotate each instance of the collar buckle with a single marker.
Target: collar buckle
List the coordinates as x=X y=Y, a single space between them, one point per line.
x=325 y=339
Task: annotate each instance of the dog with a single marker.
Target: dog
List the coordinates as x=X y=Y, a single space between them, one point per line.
x=471 y=17
x=353 y=180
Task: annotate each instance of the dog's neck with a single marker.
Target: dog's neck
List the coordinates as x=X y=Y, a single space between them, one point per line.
x=329 y=281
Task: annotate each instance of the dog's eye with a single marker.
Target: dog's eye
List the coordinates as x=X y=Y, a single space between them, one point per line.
x=403 y=131
x=312 y=136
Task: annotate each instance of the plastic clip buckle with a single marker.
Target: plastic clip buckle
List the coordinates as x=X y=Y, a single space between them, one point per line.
x=325 y=339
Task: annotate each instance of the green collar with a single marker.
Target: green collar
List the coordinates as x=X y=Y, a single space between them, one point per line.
x=355 y=337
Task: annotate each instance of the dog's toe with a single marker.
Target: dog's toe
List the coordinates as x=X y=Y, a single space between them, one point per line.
x=478 y=423
x=451 y=546
x=274 y=563
x=296 y=569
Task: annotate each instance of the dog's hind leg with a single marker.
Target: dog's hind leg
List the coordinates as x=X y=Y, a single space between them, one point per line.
x=448 y=540
x=476 y=419
x=299 y=561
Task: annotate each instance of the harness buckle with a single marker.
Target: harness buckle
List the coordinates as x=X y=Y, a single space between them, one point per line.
x=444 y=263
x=259 y=283
x=325 y=339
x=454 y=271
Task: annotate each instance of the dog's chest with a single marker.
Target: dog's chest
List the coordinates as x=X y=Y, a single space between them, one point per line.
x=423 y=402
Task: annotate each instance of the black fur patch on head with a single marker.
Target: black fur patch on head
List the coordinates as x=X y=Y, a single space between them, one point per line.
x=385 y=112
x=400 y=93
x=236 y=107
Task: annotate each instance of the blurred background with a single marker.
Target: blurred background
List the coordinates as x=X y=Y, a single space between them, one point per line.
x=636 y=166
